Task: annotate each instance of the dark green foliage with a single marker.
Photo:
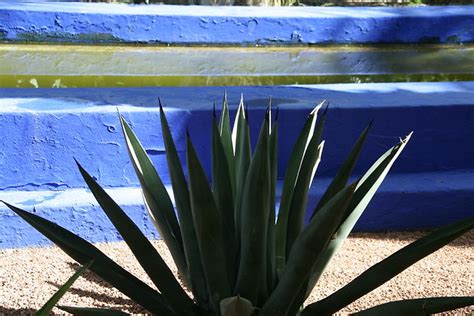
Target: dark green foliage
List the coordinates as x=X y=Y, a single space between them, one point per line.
x=236 y=256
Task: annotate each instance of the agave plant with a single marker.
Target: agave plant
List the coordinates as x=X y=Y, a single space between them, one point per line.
x=231 y=250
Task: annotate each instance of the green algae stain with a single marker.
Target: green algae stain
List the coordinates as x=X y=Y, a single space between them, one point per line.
x=70 y=66
x=36 y=37
x=96 y=81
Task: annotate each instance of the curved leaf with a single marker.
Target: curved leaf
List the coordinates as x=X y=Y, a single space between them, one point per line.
x=291 y=176
x=251 y=279
x=306 y=249
x=222 y=189
x=386 y=269
x=299 y=201
x=344 y=172
x=87 y=311
x=243 y=157
x=207 y=223
x=186 y=223
x=367 y=186
x=83 y=252
x=226 y=136
x=418 y=306
x=157 y=199
x=144 y=251
x=272 y=277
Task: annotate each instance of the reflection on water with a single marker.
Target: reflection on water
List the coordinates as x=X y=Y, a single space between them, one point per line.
x=60 y=66
x=25 y=81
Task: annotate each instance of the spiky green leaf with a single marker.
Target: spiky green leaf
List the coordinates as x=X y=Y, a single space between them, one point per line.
x=251 y=278
x=157 y=199
x=386 y=269
x=272 y=276
x=299 y=201
x=306 y=249
x=221 y=187
x=186 y=223
x=89 y=311
x=83 y=252
x=243 y=157
x=366 y=189
x=226 y=136
x=345 y=171
x=209 y=230
x=291 y=176
x=418 y=306
x=144 y=251
x=48 y=306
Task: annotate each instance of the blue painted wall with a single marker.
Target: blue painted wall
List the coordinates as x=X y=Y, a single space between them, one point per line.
x=107 y=23
x=47 y=128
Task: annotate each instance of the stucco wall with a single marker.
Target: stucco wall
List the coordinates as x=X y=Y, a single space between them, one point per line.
x=163 y=24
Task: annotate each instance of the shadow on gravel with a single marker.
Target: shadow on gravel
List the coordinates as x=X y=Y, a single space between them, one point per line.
x=89 y=276
x=124 y=303
x=98 y=297
x=17 y=311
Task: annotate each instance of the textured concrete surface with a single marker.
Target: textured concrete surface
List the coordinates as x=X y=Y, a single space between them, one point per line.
x=45 y=129
x=106 y=23
x=75 y=209
x=404 y=202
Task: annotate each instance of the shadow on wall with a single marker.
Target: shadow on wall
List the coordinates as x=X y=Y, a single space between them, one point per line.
x=438 y=113
x=202 y=98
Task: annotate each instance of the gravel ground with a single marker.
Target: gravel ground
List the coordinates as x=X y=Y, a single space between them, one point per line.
x=28 y=277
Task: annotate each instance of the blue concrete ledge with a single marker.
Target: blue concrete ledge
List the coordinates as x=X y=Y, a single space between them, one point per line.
x=431 y=184
x=44 y=129
x=163 y=24
x=404 y=202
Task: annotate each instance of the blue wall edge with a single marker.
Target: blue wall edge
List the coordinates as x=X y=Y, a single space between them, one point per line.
x=403 y=203
x=184 y=25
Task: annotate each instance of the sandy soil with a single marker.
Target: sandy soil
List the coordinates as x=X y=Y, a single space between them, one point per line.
x=28 y=277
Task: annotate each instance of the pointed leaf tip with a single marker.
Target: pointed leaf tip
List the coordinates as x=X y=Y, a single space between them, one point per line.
x=224 y=99
x=317 y=108
x=77 y=163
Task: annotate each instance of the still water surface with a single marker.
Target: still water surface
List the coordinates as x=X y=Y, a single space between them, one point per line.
x=60 y=66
